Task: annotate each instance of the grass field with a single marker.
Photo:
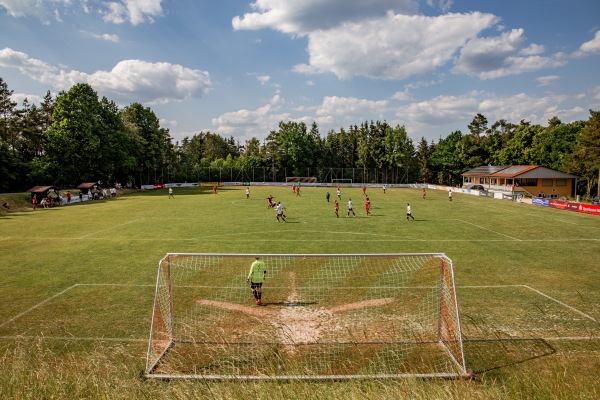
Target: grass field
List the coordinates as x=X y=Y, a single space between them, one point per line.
x=77 y=286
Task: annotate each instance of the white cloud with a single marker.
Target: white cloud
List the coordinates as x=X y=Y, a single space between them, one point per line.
x=394 y=47
x=546 y=80
x=41 y=9
x=423 y=118
x=504 y=55
x=129 y=80
x=591 y=47
x=31 y=99
x=134 y=11
x=118 y=11
x=443 y=5
x=263 y=79
x=105 y=36
x=402 y=96
x=302 y=17
x=36 y=69
x=349 y=110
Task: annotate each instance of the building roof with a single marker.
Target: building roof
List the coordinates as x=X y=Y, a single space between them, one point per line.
x=484 y=170
x=518 y=171
x=87 y=185
x=41 y=189
x=545 y=173
x=514 y=170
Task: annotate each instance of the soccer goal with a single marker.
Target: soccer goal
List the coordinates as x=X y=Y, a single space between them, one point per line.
x=341 y=182
x=334 y=316
x=301 y=179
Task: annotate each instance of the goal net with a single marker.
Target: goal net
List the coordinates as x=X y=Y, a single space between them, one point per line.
x=341 y=182
x=301 y=179
x=336 y=316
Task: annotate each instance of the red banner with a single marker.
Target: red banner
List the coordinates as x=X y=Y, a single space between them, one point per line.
x=580 y=207
x=588 y=208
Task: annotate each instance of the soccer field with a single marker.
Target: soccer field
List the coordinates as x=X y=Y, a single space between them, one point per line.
x=78 y=286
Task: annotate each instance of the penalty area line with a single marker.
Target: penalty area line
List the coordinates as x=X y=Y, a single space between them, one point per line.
x=75 y=338
x=489 y=230
x=37 y=305
x=108 y=229
x=561 y=303
x=532 y=339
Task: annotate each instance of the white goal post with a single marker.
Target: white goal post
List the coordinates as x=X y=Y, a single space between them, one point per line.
x=301 y=179
x=323 y=316
x=341 y=182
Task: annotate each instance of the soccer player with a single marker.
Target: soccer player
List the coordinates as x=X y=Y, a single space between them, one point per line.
x=424 y=194
x=280 y=213
x=339 y=193
x=247 y=193
x=215 y=189
x=171 y=193
x=384 y=187
x=450 y=195
x=409 y=212
x=364 y=188
x=368 y=206
x=270 y=202
x=256 y=277
x=336 y=209
x=327 y=196
x=350 y=209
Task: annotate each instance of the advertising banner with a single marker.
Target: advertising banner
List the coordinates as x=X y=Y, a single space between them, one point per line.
x=588 y=208
x=540 y=201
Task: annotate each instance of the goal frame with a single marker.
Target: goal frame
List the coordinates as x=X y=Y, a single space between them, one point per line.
x=301 y=179
x=343 y=182
x=446 y=273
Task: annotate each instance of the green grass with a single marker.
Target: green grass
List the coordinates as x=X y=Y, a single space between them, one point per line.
x=78 y=282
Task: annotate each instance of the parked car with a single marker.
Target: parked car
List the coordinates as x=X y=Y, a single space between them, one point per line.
x=476 y=187
x=596 y=201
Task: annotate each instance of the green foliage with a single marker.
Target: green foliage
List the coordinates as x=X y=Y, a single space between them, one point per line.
x=77 y=137
x=444 y=162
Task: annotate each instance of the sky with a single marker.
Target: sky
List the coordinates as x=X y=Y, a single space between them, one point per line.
x=238 y=68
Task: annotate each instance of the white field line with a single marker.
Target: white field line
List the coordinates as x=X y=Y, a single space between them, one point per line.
x=37 y=305
x=546 y=339
x=561 y=303
x=108 y=229
x=278 y=239
x=65 y=291
x=75 y=338
x=115 y=284
x=489 y=230
x=538 y=213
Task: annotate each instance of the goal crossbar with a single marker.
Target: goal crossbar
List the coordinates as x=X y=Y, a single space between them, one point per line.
x=324 y=316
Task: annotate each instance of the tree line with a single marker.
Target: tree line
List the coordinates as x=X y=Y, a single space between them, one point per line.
x=76 y=137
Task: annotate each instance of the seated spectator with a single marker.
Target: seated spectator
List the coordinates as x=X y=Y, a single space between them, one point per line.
x=6 y=205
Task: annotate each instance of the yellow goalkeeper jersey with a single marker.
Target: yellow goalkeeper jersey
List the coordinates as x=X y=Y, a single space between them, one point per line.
x=258 y=269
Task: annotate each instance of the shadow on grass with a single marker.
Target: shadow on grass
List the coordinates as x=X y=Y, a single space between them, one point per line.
x=486 y=355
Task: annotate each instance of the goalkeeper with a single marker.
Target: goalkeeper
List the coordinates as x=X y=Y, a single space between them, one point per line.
x=256 y=277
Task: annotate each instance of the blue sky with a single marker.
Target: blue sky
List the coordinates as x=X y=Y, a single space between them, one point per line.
x=237 y=67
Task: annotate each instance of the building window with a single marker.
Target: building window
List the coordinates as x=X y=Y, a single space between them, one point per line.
x=546 y=182
x=561 y=182
x=528 y=182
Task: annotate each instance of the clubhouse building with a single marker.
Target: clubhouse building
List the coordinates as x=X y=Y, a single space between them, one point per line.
x=521 y=180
